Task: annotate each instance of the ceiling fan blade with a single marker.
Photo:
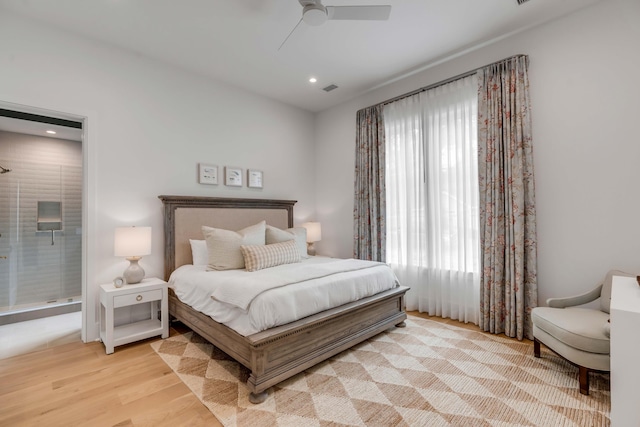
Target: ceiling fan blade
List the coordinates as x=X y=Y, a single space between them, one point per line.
x=359 y=13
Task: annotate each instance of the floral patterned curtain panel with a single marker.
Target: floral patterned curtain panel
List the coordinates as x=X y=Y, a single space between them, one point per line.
x=508 y=240
x=369 y=198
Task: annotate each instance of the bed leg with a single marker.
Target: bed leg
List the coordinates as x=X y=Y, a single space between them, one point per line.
x=258 y=397
x=401 y=325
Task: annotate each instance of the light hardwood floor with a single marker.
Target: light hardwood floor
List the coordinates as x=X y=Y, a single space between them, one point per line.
x=77 y=384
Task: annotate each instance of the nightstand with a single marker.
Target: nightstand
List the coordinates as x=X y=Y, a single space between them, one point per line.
x=150 y=291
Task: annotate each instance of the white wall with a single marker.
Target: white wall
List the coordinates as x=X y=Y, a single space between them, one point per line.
x=149 y=126
x=585 y=106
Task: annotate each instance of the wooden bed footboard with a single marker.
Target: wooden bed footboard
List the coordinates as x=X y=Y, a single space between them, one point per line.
x=282 y=352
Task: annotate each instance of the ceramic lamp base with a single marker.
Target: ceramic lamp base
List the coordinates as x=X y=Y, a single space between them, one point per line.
x=134 y=273
x=311 y=250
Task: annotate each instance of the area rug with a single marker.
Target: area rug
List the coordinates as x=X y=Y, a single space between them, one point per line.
x=427 y=374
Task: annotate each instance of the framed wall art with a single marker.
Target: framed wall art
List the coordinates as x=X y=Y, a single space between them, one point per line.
x=254 y=178
x=208 y=174
x=232 y=176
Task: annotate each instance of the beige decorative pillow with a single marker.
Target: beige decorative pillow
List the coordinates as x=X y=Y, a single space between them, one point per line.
x=224 y=245
x=299 y=234
x=265 y=256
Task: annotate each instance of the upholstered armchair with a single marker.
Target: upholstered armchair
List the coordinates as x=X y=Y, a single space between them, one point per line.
x=578 y=334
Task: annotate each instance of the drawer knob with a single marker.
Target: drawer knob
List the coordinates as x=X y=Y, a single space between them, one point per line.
x=139 y=298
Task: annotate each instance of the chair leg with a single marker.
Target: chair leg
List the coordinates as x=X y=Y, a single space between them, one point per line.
x=584 y=380
x=536 y=348
x=583 y=373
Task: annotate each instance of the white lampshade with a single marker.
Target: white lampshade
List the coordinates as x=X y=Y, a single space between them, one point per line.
x=314 y=231
x=132 y=241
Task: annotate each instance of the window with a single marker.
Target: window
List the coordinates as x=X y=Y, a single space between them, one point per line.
x=432 y=198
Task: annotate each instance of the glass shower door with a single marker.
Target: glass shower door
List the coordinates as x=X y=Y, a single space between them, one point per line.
x=40 y=242
x=5 y=238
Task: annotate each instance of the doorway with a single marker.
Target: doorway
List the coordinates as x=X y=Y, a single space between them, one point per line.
x=41 y=215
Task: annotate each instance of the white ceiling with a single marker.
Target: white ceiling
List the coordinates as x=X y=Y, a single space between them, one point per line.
x=236 y=41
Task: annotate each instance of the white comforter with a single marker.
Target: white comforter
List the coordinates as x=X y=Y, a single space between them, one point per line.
x=283 y=303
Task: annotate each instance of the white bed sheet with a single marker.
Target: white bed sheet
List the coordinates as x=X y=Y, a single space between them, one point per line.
x=193 y=286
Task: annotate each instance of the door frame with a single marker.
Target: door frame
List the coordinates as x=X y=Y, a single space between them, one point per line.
x=90 y=327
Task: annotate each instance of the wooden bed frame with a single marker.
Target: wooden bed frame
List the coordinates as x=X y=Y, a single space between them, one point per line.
x=281 y=352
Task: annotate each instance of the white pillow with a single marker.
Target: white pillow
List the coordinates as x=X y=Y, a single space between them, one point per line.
x=299 y=234
x=224 y=245
x=199 y=252
x=257 y=257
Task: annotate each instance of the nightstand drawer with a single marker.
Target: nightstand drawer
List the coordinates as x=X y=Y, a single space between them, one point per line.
x=137 y=298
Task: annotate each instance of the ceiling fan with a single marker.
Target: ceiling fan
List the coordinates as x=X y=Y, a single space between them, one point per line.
x=314 y=13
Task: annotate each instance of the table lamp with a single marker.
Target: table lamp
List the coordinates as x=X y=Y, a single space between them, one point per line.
x=314 y=234
x=132 y=243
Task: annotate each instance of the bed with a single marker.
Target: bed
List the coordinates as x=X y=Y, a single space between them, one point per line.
x=278 y=353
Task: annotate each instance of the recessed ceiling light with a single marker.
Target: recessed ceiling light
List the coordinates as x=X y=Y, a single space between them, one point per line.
x=51 y=132
x=313 y=80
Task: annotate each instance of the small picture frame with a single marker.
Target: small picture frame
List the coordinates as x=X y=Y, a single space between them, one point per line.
x=208 y=174
x=254 y=178
x=232 y=176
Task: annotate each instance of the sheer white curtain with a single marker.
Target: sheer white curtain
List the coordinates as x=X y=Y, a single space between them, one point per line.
x=432 y=198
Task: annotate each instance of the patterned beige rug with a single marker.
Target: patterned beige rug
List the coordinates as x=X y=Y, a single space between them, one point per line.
x=427 y=374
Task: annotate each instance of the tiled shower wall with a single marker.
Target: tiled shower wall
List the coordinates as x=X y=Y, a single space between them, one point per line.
x=42 y=169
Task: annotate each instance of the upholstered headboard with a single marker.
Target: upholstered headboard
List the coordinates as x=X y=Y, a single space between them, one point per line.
x=184 y=216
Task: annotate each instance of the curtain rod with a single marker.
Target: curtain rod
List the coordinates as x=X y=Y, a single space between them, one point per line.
x=444 y=82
